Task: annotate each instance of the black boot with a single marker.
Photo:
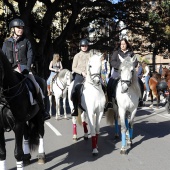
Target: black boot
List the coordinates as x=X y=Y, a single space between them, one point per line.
x=42 y=106
x=109 y=104
x=75 y=103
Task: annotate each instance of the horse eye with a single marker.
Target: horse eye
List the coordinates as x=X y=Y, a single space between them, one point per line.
x=90 y=66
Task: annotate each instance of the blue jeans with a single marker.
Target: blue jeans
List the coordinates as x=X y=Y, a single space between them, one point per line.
x=147 y=83
x=52 y=74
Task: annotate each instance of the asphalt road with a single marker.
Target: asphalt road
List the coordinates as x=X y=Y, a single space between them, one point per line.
x=150 y=150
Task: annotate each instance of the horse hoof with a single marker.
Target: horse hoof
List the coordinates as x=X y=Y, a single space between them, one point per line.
x=74 y=138
x=116 y=136
x=95 y=152
x=26 y=159
x=41 y=161
x=123 y=151
x=86 y=138
x=151 y=106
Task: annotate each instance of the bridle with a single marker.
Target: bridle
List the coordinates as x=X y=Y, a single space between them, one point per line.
x=93 y=76
x=64 y=84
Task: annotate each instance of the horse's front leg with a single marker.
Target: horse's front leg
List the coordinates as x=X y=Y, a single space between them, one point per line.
x=57 y=100
x=130 y=128
x=18 y=152
x=2 y=151
x=98 y=119
x=74 y=121
x=83 y=118
x=151 y=106
x=122 y=114
x=92 y=132
x=51 y=104
x=27 y=155
x=64 y=106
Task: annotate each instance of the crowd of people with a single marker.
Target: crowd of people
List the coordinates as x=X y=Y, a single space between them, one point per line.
x=19 y=52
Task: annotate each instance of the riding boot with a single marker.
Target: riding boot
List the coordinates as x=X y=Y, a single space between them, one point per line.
x=75 y=104
x=109 y=94
x=48 y=90
x=42 y=106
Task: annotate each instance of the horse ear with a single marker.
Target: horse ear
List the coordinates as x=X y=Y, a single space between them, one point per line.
x=121 y=58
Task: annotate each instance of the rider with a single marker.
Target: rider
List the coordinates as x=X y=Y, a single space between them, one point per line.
x=19 y=52
x=79 y=68
x=124 y=51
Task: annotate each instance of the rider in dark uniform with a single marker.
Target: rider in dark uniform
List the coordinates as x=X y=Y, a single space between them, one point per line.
x=124 y=51
x=79 y=68
x=18 y=50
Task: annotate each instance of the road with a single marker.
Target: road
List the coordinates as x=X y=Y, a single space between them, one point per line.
x=150 y=150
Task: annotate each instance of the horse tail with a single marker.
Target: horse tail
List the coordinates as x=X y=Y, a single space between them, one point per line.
x=79 y=117
x=33 y=127
x=110 y=116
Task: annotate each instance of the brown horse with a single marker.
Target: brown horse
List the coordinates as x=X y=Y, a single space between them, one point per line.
x=166 y=76
x=153 y=82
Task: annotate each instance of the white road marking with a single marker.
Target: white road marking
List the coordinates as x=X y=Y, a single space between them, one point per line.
x=53 y=128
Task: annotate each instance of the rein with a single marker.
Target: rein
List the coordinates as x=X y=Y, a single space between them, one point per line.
x=93 y=76
x=19 y=91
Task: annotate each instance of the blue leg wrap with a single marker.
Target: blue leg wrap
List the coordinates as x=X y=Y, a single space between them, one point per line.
x=116 y=127
x=130 y=133
x=123 y=139
x=126 y=122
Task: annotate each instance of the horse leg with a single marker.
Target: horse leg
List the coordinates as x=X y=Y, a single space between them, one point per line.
x=57 y=100
x=116 y=126
x=151 y=106
x=98 y=119
x=27 y=155
x=41 y=150
x=158 y=99
x=64 y=106
x=130 y=128
x=18 y=152
x=122 y=114
x=74 y=120
x=84 y=126
x=93 y=133
x=2 y=151
x=51 y=103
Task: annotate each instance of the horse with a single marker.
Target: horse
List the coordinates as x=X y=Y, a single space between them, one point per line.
x=126 y=102
x=156 y=85
x=18 y=114
x=92 y=99
x=60 y=86
x=166 y=76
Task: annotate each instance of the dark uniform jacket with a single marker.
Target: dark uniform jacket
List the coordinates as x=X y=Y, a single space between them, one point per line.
x=18 y=52
x=115 y=61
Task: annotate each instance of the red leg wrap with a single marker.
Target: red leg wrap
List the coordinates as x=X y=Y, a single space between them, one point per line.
x=93 y=142
x=85 y=127
x=74 y=129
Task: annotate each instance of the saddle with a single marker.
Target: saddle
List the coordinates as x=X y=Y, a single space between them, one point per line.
x=29 y=84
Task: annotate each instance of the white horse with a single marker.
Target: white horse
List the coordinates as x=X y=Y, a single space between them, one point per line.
x=60 y=87
x=92 y=99
x=127 y=98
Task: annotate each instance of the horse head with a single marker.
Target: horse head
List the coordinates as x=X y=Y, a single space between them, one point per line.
x=65 y=76
x=94 y=69
x=127 y=70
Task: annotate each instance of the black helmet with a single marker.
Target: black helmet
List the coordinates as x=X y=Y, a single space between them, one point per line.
x=162 y=86
x=84 y=42
x=16 y=23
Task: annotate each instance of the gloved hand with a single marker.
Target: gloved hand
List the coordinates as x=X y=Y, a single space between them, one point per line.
x=25 y=72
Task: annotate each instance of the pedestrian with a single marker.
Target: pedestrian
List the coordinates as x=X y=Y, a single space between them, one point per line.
x=105 y=72
x=19 y=52
x=55 y=67
x=79 y=65
x=140 y=70
x=124 y=50
x=146 y=77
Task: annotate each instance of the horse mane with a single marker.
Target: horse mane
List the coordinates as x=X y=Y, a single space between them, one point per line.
x=62 y=73
x=127 y=63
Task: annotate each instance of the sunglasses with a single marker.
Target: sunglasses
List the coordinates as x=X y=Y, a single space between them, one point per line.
x=84 y=46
